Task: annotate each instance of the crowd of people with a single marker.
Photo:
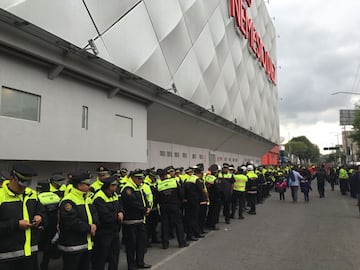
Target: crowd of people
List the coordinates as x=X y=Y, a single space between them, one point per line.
x=81 y=219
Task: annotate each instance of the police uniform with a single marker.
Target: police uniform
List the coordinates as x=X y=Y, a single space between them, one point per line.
x=50 y=196
x=21 y=215
x=170 y=200
x=213 y=186
x=134 y=231
x=102 y=172
x=149 y=188
x=251 y=188
x=238 y=196
x=107 y=240
x=227 y=181
x=77 y=224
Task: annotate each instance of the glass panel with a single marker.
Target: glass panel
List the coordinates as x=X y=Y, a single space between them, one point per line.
x=85 y=121
x=19 y=104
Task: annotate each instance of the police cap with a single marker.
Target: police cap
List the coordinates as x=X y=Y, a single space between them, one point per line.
x=23 y=172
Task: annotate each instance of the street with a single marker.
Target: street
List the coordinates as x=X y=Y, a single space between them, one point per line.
x=322 y=234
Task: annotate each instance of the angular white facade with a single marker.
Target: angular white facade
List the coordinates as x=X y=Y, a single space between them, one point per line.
x=192 y=44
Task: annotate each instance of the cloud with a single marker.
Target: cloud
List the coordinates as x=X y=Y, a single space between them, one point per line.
x=319 y=53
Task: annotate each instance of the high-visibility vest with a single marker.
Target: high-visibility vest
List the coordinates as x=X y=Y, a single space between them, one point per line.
x=240 y=182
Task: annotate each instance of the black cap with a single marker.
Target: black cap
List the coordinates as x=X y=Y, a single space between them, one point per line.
x=23 y=172
x=57 y=178
x=226 y=165
x=160 y=172
x=111 y=180
x=198 y=170
x=124 y=170
x=188 y=170
x=81 y=177
x=4 y=175
x=200 y=165
x=214 y=168
x=101 y=170
x=137 y=173
x=169 y=169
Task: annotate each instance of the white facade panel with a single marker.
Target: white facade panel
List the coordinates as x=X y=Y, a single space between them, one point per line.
x=67 y=19
x=59 y=134
x=105 y=14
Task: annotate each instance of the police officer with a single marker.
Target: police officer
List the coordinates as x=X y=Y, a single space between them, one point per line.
x=251 y=188
x=149 y=188
x=77 y=223
x=21 y=217
x=102 y=173
x=170 y=200
x=136 y=208
x=238 y=196
x=194 y=194
x=227 y=185
x=213 y=187
x=110 y=212
x=50 y=196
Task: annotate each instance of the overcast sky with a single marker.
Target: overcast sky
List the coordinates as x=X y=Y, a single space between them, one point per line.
x=318 y=53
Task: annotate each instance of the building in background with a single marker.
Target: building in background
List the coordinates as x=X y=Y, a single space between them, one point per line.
x=136 y=83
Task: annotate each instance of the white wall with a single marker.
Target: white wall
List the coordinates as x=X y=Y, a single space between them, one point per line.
x=59 y=135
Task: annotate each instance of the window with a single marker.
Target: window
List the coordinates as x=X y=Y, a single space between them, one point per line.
x=176 y=154
x=169 y=154
x=125 y=125
x=193 y=156
x=84 y=119
x=201 y=157
x=184 y=155
x=19 y=104
x=162 y=153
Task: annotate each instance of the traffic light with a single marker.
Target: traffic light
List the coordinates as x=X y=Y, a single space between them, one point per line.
x=326 y=148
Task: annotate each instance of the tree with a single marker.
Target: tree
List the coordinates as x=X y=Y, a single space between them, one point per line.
x=355 y=136
x=303 y=148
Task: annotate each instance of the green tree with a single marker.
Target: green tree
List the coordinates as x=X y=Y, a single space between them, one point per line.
x=303 y=148
x=355 y=136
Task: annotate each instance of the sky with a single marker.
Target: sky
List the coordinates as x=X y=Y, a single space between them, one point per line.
x=318 y=53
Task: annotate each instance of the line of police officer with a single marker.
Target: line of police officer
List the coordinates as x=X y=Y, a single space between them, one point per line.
x=89 y=216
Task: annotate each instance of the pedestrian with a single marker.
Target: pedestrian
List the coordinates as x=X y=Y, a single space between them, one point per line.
x=294 y=178
x=102 y=173
x=78 y=222
x=280 y=186
x=305 y=188
x=136 y=208
x=356 y=186
x=344 y=180
x=321 y=178
x=21 y=218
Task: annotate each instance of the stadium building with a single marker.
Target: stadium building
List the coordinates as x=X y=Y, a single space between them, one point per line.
x=136 y=83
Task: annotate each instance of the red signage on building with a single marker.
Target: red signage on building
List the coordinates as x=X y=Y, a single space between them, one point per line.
x=238 y=10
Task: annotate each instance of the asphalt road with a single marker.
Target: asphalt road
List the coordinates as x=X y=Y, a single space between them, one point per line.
x=322 y=234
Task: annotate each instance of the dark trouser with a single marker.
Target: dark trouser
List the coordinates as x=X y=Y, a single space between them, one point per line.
x=237 y=199
x=321 y=188
x=135 y=239
x=171 y=217
x=192 y=217
x=48 y=249
x=23 y=263
x=252 y=200
x=151 y=224
x=225 y=201
x=332 y=183
x=76 y=261
x=106 y=249
x=202 y=217
x=214 y=212
x=282 y=195
x=344 y=186
x=306 y=196
x=294 y=192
